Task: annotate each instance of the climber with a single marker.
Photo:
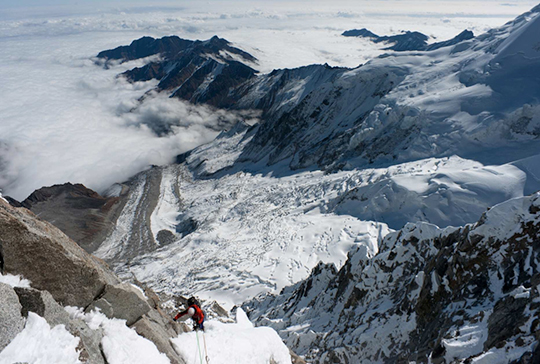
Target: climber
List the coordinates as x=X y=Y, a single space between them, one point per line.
x=195 y=312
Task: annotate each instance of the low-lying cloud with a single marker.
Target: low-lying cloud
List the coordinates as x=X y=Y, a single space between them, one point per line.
x=165 y=115
x=63 y=118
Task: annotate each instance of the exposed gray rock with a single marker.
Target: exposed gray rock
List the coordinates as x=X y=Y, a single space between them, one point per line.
x=49 y=259
x=42 y=253
x=11 y=321
x=218 y=310
x=165 y=237
x=121 y=301
x=295 y=359
x=155 y=331
x=43 y=304
x=200 y=72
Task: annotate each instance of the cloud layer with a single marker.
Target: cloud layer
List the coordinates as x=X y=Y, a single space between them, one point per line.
x=65 y=119
x=62 y=118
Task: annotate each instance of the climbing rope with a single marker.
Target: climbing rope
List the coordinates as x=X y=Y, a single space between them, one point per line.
x=205 y=351
x=200 y=353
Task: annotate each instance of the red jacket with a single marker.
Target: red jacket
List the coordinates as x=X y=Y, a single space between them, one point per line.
x=198 y=316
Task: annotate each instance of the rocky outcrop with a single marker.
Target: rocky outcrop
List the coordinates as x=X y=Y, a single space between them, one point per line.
x=82 y=214
x=63 y=274
x=11 y=320
x=429 y=295
x=92 y=220
x=154 y=327
x=49 y=259
x=43 y=304
x=121 y=301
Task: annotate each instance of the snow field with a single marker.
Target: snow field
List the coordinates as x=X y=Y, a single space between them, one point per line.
x=467 y=341
x=237 y=343
x=259 y=233
x=121 y=344
x=253 y=234
x=14 y=281
x=38 y=343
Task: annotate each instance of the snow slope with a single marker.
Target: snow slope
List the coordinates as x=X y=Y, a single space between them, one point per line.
x=238 y=343
x=39 y=343
x=409 y=137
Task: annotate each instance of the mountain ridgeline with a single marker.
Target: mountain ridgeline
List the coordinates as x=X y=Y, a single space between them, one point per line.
x=395 y=108
x=430 y=295
x=196 y=71
x=408 y=41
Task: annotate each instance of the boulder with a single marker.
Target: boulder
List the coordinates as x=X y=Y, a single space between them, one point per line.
x=43 y=304
x=123 y=301
x=295 y=359
x=53 y=262
x=159 y=334
x=11 y=321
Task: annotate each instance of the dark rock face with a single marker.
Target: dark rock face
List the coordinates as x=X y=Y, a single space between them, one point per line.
x=427 y=292
x=49 y=259
x=364 y=33
x=82 y=214
x=318 y=128
x=197 y=71
x=145 y=47
x=154 y=329
x=408 y=41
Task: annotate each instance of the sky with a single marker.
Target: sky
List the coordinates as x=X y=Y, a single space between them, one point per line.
x=65 y=119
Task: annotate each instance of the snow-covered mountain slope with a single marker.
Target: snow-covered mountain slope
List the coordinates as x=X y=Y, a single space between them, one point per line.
x=238 y=343
x=340 y=158
x=58 y=304
x=478 y=99
x=466 y=294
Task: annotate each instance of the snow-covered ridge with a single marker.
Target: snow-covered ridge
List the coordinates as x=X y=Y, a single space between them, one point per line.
x=430 y=294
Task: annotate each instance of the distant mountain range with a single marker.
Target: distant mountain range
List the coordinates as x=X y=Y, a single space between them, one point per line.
x=408 y=41
x=196 y=71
